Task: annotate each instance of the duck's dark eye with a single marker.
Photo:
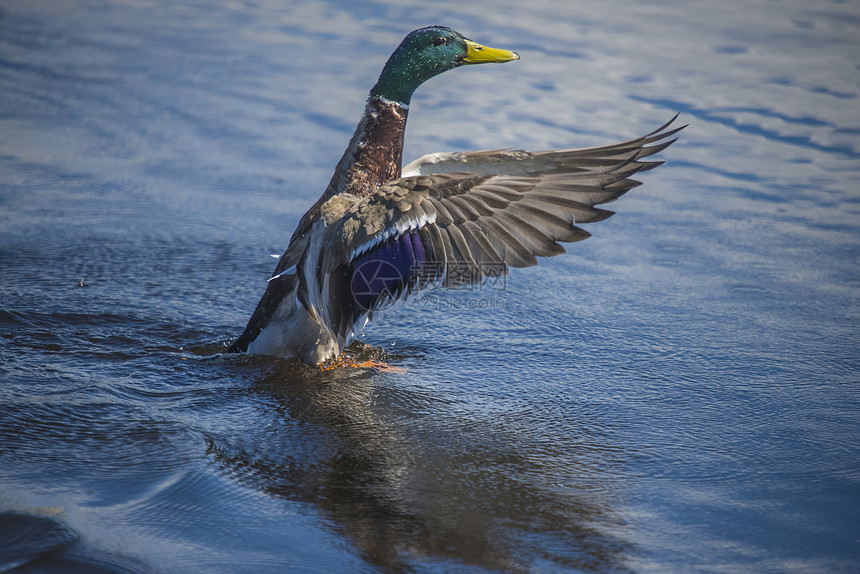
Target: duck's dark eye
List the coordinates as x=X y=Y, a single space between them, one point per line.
x=440 y=41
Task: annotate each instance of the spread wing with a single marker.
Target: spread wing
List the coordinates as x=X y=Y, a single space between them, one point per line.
x=501 y=209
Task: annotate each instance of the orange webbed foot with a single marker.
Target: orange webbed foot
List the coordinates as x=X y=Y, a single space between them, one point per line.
x=344 y=362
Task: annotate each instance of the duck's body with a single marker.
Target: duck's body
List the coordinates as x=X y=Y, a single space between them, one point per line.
x=375 y=236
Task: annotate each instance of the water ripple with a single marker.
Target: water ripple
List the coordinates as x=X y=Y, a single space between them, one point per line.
x=708 y=115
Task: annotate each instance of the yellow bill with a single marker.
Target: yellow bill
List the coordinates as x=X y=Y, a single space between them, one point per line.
x=478 y=54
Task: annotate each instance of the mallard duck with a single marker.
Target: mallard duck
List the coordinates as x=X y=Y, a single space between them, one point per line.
x=379 y=233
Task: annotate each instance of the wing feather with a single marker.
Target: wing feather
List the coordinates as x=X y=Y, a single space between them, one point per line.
x=460 y=217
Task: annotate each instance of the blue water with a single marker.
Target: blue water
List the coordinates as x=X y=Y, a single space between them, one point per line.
x=680 y=393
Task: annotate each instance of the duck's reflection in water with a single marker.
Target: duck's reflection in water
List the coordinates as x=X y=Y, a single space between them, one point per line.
x=414 y=480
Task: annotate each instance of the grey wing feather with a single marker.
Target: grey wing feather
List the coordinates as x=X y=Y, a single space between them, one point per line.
x=520 y=162
x=510 y=206
x=482 y=212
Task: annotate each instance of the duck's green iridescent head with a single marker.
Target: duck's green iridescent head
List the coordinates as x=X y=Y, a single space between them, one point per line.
x=427 y=52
